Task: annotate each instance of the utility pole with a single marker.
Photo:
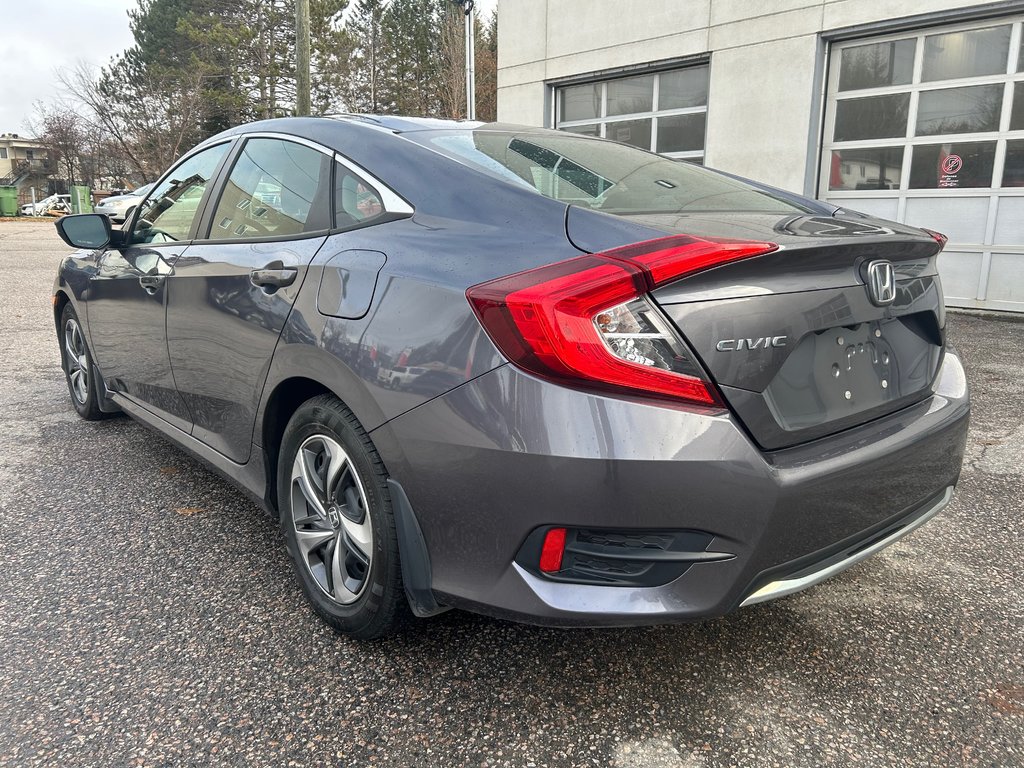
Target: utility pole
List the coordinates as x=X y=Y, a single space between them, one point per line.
x=302 y=57
x=467 y=9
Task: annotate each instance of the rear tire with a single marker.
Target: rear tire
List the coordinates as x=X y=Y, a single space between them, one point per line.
x=337 y=520
x=79 y=370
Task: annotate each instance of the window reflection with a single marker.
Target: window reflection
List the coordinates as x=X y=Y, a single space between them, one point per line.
x=959 y=110
x=634 y=132
x=681 y=133
x=580 y=102
x=1017 y=113
x=271 y=191
x=872 y=117
x=683 y=88
x=972 y=53
x=624 y=109
x=631 y=95
x=168 y=213
x=1013 y=167
x=866 y=168
x=877 y=65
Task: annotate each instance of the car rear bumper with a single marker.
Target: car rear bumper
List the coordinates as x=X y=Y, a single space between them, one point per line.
x=491 y=462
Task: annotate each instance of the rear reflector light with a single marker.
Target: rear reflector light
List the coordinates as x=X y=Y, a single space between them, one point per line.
x=586 y=321
x=552 y=550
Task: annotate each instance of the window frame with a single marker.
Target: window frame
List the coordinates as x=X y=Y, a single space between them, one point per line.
x=225 y=175
x=604 y=119
x=395 y=206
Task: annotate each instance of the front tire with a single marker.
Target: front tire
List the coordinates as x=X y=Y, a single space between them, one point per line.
x=337 y=521
x=79 y=371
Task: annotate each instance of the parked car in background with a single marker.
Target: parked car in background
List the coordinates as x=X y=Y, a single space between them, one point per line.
x=644 y=391
x=59 y=204
x=119 y=207
x=401 y=376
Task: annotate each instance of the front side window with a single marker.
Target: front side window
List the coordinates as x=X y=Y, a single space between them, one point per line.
x=169 y=212
x=276 y=188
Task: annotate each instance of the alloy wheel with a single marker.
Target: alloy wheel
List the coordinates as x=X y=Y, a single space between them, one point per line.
x=77 y=357
x=332 y=524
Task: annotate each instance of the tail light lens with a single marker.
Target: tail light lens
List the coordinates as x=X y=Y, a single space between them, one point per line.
x=587 y=321
x=938 y=237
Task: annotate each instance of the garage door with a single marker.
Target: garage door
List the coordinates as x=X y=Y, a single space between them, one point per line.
x=927 y=128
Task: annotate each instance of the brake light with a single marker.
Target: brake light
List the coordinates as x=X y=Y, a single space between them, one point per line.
x=938 y=237
x=586 y=321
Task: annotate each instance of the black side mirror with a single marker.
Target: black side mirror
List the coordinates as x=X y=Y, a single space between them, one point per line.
x=85 y=230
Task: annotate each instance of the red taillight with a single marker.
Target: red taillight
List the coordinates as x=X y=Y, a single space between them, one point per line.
x=585 y=320
x=552 y=549
x=938 y=237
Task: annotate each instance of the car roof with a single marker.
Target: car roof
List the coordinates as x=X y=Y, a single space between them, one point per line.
x=333 y=128
x=403 y=124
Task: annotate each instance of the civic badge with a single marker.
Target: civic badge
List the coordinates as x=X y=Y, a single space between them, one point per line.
x=881 y=282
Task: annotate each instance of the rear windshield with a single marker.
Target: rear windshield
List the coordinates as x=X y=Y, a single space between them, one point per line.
x=602 y=175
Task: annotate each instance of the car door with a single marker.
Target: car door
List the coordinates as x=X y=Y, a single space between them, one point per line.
x=127 y=297
x=232 y=291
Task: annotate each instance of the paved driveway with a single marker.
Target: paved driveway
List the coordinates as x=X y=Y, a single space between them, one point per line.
x=148 y=616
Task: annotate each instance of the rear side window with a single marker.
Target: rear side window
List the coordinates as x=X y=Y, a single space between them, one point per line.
x=356 y=202
x=276 y=188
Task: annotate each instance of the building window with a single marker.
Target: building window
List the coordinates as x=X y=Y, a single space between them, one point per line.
x=3 y=153
x=664 y=112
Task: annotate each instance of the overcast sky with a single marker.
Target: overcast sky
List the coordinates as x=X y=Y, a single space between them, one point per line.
x=39 y=38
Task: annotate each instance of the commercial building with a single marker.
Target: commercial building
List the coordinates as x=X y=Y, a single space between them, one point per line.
x=910 y=110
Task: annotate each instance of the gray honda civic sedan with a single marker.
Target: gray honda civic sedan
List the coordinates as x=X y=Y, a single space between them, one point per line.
x=527 y=373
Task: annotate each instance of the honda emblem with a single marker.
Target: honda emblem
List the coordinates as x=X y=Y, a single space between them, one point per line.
x=881 y=282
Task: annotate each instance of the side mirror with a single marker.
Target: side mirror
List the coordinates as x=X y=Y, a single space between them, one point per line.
x=85 y=230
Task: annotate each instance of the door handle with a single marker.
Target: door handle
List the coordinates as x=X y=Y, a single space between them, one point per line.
x=151 y=283
x=274 y=275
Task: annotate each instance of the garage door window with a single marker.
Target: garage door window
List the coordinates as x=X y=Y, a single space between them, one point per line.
x=663 y=112
x=927 y=128
x=900 y=89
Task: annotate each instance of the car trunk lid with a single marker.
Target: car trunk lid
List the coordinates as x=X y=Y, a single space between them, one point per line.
x=795 y=340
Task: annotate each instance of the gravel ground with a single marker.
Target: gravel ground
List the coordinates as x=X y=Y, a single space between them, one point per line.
x=148 y=616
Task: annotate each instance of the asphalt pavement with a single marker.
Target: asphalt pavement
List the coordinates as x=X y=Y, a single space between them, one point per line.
x=149 y=616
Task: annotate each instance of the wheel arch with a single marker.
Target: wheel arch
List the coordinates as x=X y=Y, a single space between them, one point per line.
x=286 y=397
x=60 y=300
x=279 y=406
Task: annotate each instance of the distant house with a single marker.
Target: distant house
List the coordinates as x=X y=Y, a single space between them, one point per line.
x=23 y=161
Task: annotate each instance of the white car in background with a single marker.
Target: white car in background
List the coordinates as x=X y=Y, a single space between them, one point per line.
x=119 y=207
x=60 y=203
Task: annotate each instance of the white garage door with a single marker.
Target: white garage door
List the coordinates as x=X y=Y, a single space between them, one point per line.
x=928 y=129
